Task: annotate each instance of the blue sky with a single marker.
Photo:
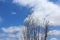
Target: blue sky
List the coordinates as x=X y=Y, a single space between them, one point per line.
x=55 y=1
x=14 y=14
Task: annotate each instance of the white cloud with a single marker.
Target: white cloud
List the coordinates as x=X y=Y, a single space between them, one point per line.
x=43 y=9
x=54 y=32
x=9 y=32
x=15 y=28
x=53 y=39
x=24 y=2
